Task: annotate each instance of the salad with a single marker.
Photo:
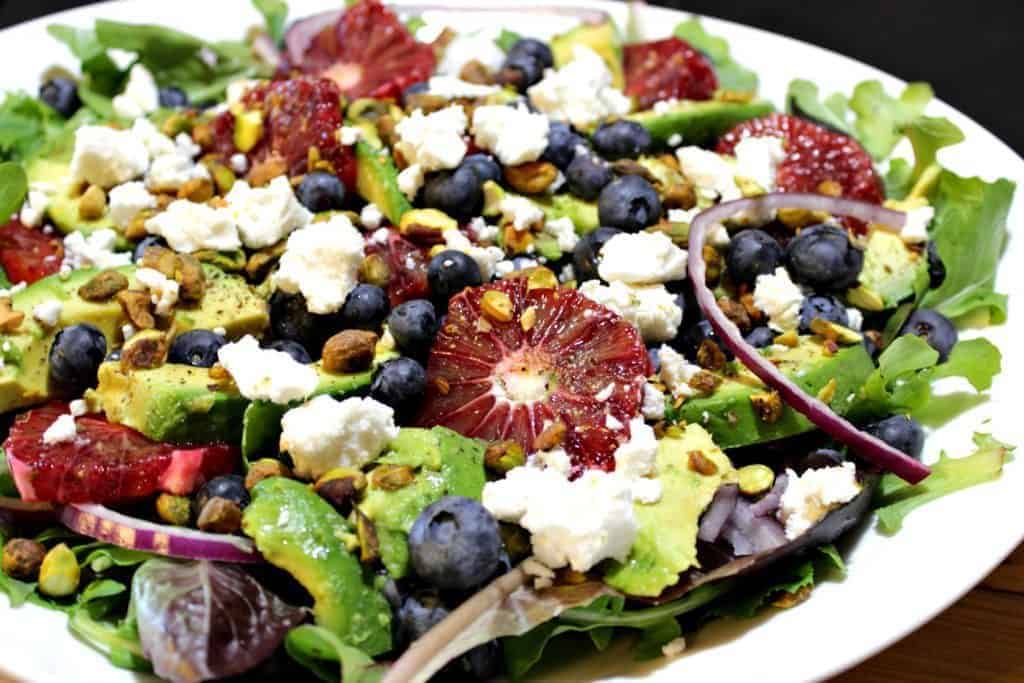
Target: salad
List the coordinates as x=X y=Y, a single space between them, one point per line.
x=365 y=349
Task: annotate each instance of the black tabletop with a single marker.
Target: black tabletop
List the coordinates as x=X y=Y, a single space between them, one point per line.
x=968 y=51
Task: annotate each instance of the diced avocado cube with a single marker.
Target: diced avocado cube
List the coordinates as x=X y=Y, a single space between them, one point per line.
x=892 y=270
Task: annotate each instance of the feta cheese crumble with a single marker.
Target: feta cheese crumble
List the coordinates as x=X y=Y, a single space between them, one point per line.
x=651 y=308
x=514 y=134
x=107 y=157
x=855 y=319
x=190 y=226
x=758 y=158
x=453 y=88
x=915 y=230
x=468 y=47
x=322 y=262
x=642 y=258
x=714 y=175
x=581 y=92
x=635 y=461
x=780 y=299
x=265 y=215
x=36 y=203
x=163 y=290
x=564 y=232
x=62 y=430
x=371 y=217
x=94 y=251
x=813 y=494
x=170 y=172
x=520 y=212
x=433 y=141
x=349 y=135
x=140 y=95
x=78 y=407
x=48 y=312
x=653 y=406
x=676 y=372
x=325 y=433
x=486 y=258
x=127 y=201
x=266 y=374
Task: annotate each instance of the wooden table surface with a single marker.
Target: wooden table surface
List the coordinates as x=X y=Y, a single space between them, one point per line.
x=980 y=638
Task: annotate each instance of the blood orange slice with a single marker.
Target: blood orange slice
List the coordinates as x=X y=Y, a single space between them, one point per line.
x=407 y=267
x=104 y=463
x=28 y=255
x=667 y=69
x=368 y=53
x=568 y=359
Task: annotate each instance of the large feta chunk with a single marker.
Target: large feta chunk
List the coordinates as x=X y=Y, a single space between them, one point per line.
x=155 y=142
x=813 y=494
x=62 y=429
x=714 y=175
x=581 y=92
x=635 y=461
x=107 y=157
x=780 y=299
x=410 y=180
x=94 y=251
x=469 y=47
x=325 y=433
x=170 y=172
x=322 y=262
x=642 y=257
x=651 y=308
x=190 y=226
x=127 y=201
x=758 y=158
x=266 y=374
x=433 y=141
x=653 y=406
x=140 y=95
x=265 y=215
x=514 y=134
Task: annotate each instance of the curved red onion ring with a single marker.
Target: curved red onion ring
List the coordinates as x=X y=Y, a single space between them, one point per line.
x=104 y=524
x=868 y=447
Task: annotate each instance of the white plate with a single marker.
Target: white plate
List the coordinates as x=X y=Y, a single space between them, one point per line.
x=894 y=585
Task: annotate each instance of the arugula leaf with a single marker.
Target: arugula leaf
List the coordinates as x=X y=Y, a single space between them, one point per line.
x=896 y=499
x=803 y=99
x=275 y=14
x=13 y=188
x=117 y=639
x=731 y=76
x=881 y=119
x=156 y=45
x=654 y=638
x=969 y=232
x=322 y=652
x=902 y=383
x=102 y=557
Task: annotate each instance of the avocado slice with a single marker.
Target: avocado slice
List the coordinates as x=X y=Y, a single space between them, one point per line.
x=699 y=122
x=730 y=418
x=228 y=302
x=666 y=543
x=583 y=214
x=446 y=463
x=63 y=209
x=261 y=424
x=602 y=38
x=892 y=270
x=377 y=181
x=298 y=531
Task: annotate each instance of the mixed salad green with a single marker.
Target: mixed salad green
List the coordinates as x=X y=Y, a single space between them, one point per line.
x=365 y=349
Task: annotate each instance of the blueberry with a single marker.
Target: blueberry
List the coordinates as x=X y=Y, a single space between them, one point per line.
x=900 y=432
x=146 y=243
x=290 y=319
x=321 y=191
x=293 y=348
x=521 y=71
x=752 y=253
x=366 y=307
x=562 y=145
x=587 y=175
x=454 y=544
x=870 y=346
x=936 y=268
x=399 y=383
x=532 y=47
x=458 y=193
x=588 y=249
x=75 y=358
x=173 y=97
x=416 y=618
x=760 y=337
x=819 y=458
x=449 y=273
x=197 y=348
x=482 y=663
x=622 y=140
x=413 y=324
x=629 y=203
x=824 y=306
x=228 y=486
x=692 y=338
x=934 y=328
x=485 y=167
x=62 y=95
x=823 y=258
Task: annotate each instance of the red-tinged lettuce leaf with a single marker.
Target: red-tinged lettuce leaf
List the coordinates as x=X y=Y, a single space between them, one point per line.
x=200 y=620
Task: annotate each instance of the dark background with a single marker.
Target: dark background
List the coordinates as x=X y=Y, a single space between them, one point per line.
x=969 y=51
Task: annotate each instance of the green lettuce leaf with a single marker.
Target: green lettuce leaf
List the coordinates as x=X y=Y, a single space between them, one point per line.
x=117 y=639
x=102 y=74
x=882 y=119
x=323 y=653
x=803 y=99
x=13 y=187
x=897 y=499
x=731 y=76
x=969 y=232
x=26 y=124
x=275 y=14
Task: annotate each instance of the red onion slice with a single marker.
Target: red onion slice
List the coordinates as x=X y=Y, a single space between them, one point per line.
x=863 y=444
x=300 y=35
x=104 y=524
x=718 y=513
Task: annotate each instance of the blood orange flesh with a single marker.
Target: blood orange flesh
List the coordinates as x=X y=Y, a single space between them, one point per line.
x=104 y=463
x=407 y=267
x=667 y=69
x=28 y=255
x=577 y=363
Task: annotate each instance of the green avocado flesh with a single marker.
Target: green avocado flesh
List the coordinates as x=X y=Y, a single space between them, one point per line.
x=63 y=209
x=377 y=182
x=299 y=532
x=730 y=417
x=228 y=302
x=892 y=270
x=699 y=123
x=666 y=543
x=445 y=462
